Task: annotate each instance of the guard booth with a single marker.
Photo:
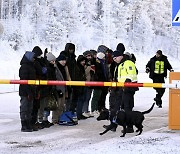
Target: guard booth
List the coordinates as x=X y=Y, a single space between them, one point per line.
x=174 y=102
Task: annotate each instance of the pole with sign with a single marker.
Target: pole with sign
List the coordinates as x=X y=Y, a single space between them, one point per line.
x=175 y=12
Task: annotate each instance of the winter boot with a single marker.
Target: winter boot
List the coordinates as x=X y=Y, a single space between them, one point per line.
x=25 y=127
x=47 y=124
x=29 y=125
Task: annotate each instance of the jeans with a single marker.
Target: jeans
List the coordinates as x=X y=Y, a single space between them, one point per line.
x=87 y=97
x=80 y=103
x=95 y=99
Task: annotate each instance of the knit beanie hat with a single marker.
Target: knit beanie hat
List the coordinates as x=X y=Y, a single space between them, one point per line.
x=37 y=50
x=50 y=57
x=102 y=48
x=117 y=53
x=93 y=52
x=87 y=53
x=159 y=52
x=61 y=57
x=120 y=47
x=100 y=55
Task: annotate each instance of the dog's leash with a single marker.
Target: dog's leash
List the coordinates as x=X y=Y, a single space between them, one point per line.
x=115 y=118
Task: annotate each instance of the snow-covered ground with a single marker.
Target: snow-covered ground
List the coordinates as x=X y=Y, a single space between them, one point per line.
x=84 y=138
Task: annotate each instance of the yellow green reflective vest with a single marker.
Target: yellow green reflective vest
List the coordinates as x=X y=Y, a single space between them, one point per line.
x=127 y=70
x=159 y=67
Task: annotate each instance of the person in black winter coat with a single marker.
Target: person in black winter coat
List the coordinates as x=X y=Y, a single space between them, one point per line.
x=41 y=91
x=80 y=90
x=69 y=53
x=71 y=64
x=26 y=92
x=157 y=68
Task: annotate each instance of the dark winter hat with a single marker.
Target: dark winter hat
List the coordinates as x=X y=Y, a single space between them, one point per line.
x=117 y=53
x=37 y=50
x=159 y=52
x=102 y=48
x=50 y=57
x=61 y=57
x=93 y=52
x=120 y=47
x=81 y=58
x=69 y=46
x=87 y=53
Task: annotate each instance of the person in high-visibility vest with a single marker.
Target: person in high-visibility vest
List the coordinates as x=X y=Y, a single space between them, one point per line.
x=157 y=68
x=127 y=72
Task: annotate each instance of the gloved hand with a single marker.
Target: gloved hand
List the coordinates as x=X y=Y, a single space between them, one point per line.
x=147 y=70
x=46 y=51
x=44 y=70
x=60 y=93
x=128 y=80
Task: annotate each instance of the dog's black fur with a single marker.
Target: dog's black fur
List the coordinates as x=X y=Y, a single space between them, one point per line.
x=124 y=119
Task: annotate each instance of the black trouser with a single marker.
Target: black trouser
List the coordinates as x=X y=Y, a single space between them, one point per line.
x=128 y=101
x=25 y=108
x=102 y=100
x=115 y=99
x=36 y=106
x=74 y=100
x=159 y=91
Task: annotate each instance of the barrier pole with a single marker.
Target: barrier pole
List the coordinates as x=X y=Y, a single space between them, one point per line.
x=91 y=83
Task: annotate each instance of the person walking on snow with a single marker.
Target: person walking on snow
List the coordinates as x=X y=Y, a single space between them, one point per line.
x=157 y=68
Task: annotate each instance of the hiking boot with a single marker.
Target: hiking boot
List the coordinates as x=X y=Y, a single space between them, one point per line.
x=90 y=114
x=35 y=127
x=81 y=117
x=26 y=130
x=24 y=127
x=95 y=113
x=160 y=106
x=38 y=125
x=47 y=124
x=85 y=114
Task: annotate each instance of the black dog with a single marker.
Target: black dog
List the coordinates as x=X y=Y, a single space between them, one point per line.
x=123 y=118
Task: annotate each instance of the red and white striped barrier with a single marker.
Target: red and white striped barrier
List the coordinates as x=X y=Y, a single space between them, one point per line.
x=92 y=83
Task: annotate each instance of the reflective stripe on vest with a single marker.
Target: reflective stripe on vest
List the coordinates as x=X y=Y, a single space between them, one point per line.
x=127 y=70
x=159 y=67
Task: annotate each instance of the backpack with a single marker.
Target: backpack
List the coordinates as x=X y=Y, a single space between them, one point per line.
x=68 y=118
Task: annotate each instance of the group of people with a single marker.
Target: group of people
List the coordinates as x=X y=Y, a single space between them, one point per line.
x=102 y=65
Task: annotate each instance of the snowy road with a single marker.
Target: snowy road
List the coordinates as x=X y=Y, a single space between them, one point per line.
x=85 y=138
